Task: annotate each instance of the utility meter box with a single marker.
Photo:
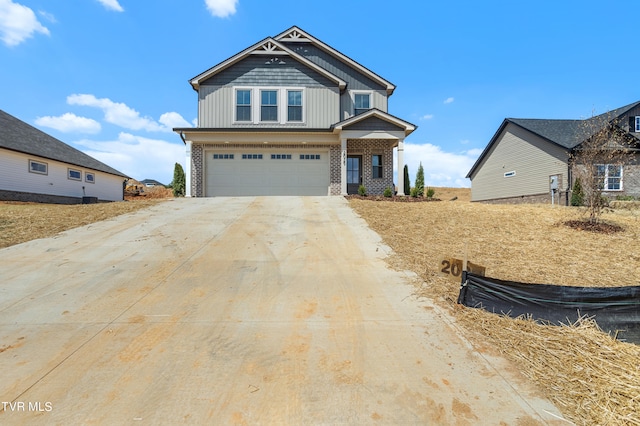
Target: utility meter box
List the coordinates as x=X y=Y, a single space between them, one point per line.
x=553 y=183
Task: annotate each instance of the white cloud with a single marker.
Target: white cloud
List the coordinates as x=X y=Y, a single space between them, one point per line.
x=18 y=23
x=440 y=168
x=426 y=117
x=69 y=123
x=173 y=119
x=124 y=116
x=48 y=16
x=136 y=156
x=112 y=5
x=221 y=8
x=449 y=100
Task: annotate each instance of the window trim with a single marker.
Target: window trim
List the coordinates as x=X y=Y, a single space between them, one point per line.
x=282 y=106
x=277 y=105
x=637 y=124
x=46 y=167
x=379 y=167
x=69 y=170
x=302 y=108
x=236 y=105
x=606 y=177
x=369 y=93
x=86 y=177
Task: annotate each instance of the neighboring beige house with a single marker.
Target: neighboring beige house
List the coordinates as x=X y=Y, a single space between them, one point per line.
x=35 y=166
x=527 y=157
x=291 y=115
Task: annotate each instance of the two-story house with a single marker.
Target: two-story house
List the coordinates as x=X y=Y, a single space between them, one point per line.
x=291 y=115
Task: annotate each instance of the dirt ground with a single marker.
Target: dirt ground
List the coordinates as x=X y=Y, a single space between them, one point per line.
x=592 y=378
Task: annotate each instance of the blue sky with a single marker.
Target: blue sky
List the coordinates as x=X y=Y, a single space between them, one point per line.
x=110 y=77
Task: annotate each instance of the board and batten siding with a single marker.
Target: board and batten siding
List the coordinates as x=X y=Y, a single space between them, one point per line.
x=216 y=108
x=15 y=176
x=532 y=158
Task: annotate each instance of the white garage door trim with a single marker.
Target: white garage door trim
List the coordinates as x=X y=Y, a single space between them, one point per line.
x=249 y=172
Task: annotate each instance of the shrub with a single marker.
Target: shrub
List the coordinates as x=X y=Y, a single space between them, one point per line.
x=625 y=198
x=420 y=181
x=179 y=181
x=577 y=196
x=387 y=192
x=414 y=192
x=430 y=192
x=362 y=191
x=407 y=182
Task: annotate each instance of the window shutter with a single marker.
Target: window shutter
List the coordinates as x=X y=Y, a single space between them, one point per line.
x=632 y=123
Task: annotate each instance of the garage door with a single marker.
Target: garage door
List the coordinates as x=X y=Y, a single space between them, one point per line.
x=264 y=172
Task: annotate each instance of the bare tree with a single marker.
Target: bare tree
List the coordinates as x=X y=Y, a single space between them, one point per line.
x=599 y=160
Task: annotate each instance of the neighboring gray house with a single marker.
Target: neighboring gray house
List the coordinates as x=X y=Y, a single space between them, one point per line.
x=291 y=115
x=35 y=166
x=526 y=155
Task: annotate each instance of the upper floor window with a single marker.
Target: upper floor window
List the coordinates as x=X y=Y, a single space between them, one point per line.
x=243 y=105
x=361 y=103
x=637 y=124
x=294 y=105
x=269 y=105
x=611 y=177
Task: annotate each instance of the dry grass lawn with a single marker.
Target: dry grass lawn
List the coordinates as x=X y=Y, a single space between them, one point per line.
x=591 y=377
x=21 y=222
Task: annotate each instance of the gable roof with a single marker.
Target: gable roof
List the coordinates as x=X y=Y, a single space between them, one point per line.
x=16 y=135
x=567 y=134
x=268 y=46
x=295 y=34
x=403 y=125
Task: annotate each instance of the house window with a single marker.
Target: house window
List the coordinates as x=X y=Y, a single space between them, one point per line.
x=361 y=103
x=74 y=174
x=294 y=105
x=512 y=173
x=611 y=177
x=243 y=105
x=269 y=105
x=89 y=177
x=38 y=167
x=376 y=166
x=638 y=123
x=223 y=156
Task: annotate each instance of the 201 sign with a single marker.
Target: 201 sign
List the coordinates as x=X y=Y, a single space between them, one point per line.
x=453 y=268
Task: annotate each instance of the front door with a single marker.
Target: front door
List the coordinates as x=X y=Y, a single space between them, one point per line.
x=354 y=173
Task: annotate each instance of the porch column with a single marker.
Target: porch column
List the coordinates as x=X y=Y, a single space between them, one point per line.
x=343 y=166
x=401 y=167
x=187 y=170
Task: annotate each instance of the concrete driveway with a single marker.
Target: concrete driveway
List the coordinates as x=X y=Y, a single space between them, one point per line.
x=236 y=311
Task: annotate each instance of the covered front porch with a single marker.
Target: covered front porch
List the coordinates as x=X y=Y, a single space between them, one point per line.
x=366 y=152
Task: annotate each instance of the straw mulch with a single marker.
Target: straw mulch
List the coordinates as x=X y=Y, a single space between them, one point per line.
x=592 y=378
x=21 y=222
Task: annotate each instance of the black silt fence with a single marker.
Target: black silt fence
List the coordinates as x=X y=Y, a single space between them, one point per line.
x=616 y=310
